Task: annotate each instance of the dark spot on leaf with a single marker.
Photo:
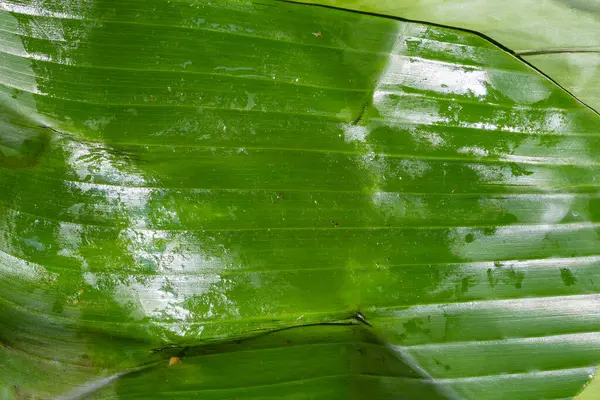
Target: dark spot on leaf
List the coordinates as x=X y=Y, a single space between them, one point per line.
x=57 y=307
x=567 y=276
x=490 y=276
x=464 y=285
x=489 y=231
x=518 y=170
x=16 y=93
x=415 y=325
x=508 y=276
x=516 y=277
x=509 y=218
x=469 y=238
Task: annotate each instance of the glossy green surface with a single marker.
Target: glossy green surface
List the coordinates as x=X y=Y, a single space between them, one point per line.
x=569 y=30
x=185 y=176
x=578 y=72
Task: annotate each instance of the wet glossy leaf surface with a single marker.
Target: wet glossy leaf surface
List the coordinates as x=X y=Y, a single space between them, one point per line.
x=565 y=33
x=180 y=179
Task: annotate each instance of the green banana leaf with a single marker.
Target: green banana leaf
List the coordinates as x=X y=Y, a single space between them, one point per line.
x=254 y=199
x=560 y=37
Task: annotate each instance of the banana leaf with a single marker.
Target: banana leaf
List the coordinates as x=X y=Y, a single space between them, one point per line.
x=258 y=199
x=560 y=37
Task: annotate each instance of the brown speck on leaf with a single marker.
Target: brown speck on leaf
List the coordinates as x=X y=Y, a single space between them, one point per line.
x=453 y=190
x=174 y=360
x=280 y=196
x=81 y=292
x=287 y=342
x=317 y=34
x=85 y=360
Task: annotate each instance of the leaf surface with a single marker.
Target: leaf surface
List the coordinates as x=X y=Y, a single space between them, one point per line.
x=231 y=183
x=560 y=37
